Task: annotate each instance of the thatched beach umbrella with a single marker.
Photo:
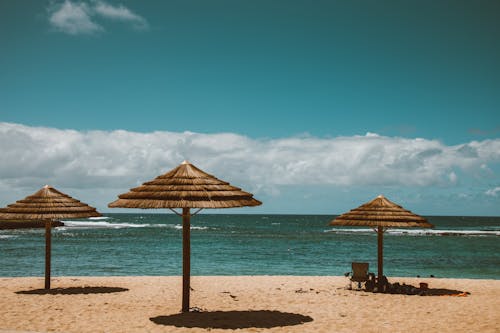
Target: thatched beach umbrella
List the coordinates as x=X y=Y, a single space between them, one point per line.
x=185 y=187
x=381 y=213
x=46 y=205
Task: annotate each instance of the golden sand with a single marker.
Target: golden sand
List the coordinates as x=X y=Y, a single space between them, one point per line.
x=244 y=303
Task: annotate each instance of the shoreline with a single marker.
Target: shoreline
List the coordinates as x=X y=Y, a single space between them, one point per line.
x=251 y=303
x=390 y=278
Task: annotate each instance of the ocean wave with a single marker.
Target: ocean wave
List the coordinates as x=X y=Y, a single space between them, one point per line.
x=99 y=218
x=179 y=227
x=418 y=232
x=7 y=236
x=106 y=225
x=443 y=232
x=117 y=225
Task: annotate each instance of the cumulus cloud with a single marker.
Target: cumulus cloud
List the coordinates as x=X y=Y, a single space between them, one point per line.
x=118 y=159
x=73 y=18
x=82 y=17
x=120 y=13
x=493 y=192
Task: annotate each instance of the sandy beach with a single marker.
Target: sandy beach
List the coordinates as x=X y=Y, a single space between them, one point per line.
x=246 y=303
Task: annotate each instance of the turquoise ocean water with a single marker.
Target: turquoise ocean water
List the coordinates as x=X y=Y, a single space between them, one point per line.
x=151 y=244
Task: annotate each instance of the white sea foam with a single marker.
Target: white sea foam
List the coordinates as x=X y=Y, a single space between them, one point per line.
x=179 y=227
x=99 y=218
x=419 y=232
x=7 y=236
x=463 y=232
x=102 y=224
x=109 y=225
x=350 y=231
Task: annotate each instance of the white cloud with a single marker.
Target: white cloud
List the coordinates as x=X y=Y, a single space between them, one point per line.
x=73 y=18
x=120 y=13
x=117 y=159
x=493 y=191
x=81 y=17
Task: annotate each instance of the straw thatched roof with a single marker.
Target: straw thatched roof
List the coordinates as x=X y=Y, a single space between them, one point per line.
x=47 y=204
x=27 y=224
x=381 y=212
x=186 y=186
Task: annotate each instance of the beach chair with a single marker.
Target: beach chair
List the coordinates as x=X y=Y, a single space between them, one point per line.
x=359 y=273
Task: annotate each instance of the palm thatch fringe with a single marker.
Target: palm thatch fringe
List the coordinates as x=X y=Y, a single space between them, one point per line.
x=155 y=204
x=27 y=224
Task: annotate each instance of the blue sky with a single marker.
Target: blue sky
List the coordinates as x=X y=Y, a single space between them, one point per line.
x=265 y=71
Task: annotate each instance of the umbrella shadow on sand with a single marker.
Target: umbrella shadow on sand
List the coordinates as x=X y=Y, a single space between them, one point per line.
x=427 y=292
x=232 y=319
x=423 y=290
x=445 y=292
x=73 y=291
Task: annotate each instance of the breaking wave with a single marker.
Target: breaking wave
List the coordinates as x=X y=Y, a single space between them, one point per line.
x=418 y=232
x=110 y=225
x=7 y=236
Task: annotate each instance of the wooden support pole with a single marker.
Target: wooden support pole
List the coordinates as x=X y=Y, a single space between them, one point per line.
x=380 y=241
x=186 y=258
x=48 y=234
